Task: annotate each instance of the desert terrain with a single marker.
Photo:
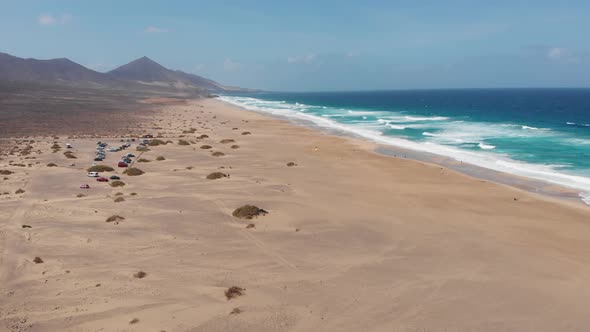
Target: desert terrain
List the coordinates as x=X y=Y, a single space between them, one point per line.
x=349 y=240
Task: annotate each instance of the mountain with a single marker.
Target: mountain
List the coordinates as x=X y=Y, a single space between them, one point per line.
x=142 y=73
x=18 y=69
x=147 y=71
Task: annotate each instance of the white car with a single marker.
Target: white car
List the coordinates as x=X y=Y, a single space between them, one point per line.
x=93 y=174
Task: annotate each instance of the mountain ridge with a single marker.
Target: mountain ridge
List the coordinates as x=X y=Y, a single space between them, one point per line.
x=140 y=73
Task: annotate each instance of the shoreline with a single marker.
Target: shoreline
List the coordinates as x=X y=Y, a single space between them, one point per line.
x=531 y=185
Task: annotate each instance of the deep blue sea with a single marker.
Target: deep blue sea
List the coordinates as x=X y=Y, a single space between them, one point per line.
x=537 y=133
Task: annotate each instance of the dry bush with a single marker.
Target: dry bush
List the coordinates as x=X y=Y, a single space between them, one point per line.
x=119 y=194
x=140 y=275
x=235 y=146
x=100 y=168
x=183 y=142
x=227 y=140
x=70 y=155
x=142 y=148
x=156 y=142
x=160 y=158
x=218 y=154
x=205 y=147
x=236 y=311
x=119 y=199
x=133 y=171
x=248 y=212
x=203 y=136
x=134 y=321
x=246 y=133
x=6 y=172
x=143 y=160
x=291 y=164
x=116 y=218
x=216 y=175
x=233 y=292
x=133 y=194
x=37 y=260
x=117 y=183
x=26 y=226
x=80 y=195
x=250 y=226
x=19 y=191
x=51 y=165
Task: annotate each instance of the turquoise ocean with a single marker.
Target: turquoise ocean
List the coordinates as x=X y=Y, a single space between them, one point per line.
x=542 y=134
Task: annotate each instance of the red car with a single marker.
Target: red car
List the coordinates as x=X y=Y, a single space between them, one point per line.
x=122 y=164
x=102 y=179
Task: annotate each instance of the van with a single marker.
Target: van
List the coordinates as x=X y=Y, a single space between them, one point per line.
x=93 y=174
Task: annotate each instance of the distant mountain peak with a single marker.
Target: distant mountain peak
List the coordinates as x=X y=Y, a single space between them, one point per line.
x=142 y=72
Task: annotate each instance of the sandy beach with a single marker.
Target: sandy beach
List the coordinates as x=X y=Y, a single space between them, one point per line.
x=353 y=240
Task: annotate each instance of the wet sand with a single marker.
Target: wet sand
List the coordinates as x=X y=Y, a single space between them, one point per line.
x=353 y=240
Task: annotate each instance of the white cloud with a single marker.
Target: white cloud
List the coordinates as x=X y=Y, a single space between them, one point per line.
x=230 y=65
x=49 y=19
x=153 y=29
x=557 y=52
x=306 y=59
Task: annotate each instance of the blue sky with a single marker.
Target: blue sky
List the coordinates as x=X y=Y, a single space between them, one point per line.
x=317 y=45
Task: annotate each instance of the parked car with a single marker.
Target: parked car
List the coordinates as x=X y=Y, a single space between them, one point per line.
x=92 y=174
x=68 y=145
x=122 y=164
x=84 y=186
x=102 y=179
x=114 y=177
x=127 y=160
x=130 y=155
x=98 y=159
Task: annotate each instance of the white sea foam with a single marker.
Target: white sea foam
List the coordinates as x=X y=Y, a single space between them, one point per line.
x=392 y=126
x=484 y=146
x=450 y=131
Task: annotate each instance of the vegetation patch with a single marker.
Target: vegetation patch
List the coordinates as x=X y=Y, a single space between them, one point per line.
x=291 y=164
x=203 y=136
x=80 y=195
x=228 y=140
x=250 y=226
x=143 y=160
x=142 y=148
x=115 y=218
x=117 y=183
x=233 y=292
x=216 y=175
x=160 y=158
x=37 y=260
x=133 y=171
x=183 y=142
x=6 y=172
x=19 y=191
x=248 y=212
x=119 y=199
x=139 y=275
x=100 y=168
x=51 y=165
x=70 y=155
x=218 y=154
x=235 y=146
x=246 y=133
x=156 y=142
x=206 y=147
x=134 y=321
